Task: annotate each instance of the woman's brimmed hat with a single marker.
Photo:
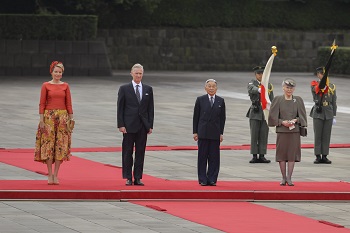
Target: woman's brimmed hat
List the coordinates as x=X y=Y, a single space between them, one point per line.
x=289 y=82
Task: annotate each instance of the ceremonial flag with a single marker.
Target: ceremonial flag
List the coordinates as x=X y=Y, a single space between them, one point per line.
x=264 y=85
x=324 y=81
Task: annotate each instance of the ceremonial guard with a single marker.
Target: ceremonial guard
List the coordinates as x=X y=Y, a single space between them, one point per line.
x=323 y=114
x=258 y=126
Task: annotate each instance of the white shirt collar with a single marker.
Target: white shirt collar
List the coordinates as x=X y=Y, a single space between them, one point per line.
x=211 y=96
x=134 y=84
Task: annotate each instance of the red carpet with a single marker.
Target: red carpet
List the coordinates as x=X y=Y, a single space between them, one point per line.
x=81 y=178
x=168 y=148
x=242 y=217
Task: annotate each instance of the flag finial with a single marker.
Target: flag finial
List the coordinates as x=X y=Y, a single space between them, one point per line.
x=324 y=81
x=334 y=46
x=274 y=50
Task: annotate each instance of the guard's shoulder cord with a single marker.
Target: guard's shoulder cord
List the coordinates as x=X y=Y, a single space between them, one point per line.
x=270 y=89
x=331 y=90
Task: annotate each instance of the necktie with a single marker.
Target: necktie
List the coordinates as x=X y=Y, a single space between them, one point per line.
x=211 y=101
x=138 y=93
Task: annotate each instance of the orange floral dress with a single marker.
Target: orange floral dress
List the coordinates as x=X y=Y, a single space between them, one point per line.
x=54 y=141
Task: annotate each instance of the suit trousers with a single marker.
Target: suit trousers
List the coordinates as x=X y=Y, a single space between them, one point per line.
x=130 y=140
x=322 y=136
x=208 y=154
x=259 y=132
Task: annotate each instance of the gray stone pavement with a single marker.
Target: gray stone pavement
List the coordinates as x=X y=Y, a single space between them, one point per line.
x=94 y=103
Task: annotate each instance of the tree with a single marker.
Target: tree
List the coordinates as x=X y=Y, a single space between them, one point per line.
x=95 y=7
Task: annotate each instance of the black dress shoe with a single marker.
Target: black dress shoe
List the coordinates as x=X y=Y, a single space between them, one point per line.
x=128 y=182
x=318 y=160
x=262 y=159
x=326 y=160
x=203 y=184
x=254 y=160
x=212 y=183
x=138 y=182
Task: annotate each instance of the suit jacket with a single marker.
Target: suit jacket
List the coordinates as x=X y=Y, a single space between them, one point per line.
x=130 y=113
x=209 y=122
x=328 y=111
x=253 y=91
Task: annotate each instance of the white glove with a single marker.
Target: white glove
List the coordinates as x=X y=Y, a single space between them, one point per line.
x=259 y=90
x=334 y=121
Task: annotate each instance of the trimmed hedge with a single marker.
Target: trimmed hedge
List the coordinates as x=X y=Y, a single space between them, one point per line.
x=341 y=59
x=300 y=15
x=48 y=27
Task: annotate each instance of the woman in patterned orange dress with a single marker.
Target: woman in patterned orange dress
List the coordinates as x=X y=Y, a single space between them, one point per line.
x=53 y=138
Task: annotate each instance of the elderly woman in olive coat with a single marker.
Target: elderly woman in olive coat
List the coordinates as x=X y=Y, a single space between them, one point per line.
x=287 y=113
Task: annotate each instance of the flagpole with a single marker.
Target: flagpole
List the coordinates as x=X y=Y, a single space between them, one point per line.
x=323 y=81
x=264 y=95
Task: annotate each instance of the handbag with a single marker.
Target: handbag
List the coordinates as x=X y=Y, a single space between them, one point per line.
x=303 y=131
x=70 y=125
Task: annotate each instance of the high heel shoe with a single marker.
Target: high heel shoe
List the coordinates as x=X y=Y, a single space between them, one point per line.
x=50 y=180
x=290 y=183
x=55 y=180
x=283 y=182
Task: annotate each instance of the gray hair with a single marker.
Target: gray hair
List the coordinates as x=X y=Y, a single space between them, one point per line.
x=137 y=65
x=210 y=80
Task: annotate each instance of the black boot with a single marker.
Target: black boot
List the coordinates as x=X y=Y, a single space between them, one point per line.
x=325 y=160
x=262 y=159
x=254 y=159
x=318 y=159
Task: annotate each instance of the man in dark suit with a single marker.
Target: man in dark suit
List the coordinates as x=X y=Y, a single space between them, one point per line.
x=209 y=118
x=135 y=115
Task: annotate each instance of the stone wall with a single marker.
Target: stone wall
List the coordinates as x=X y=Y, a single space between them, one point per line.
x=217 y=48
x=33 y=57
x=170 y=49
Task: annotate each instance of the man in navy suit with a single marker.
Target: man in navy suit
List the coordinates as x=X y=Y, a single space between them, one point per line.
x=209 y=118
x=135 y=115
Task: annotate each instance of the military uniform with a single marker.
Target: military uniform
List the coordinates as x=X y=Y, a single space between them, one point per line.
x=258 y=125
x=323 y=114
